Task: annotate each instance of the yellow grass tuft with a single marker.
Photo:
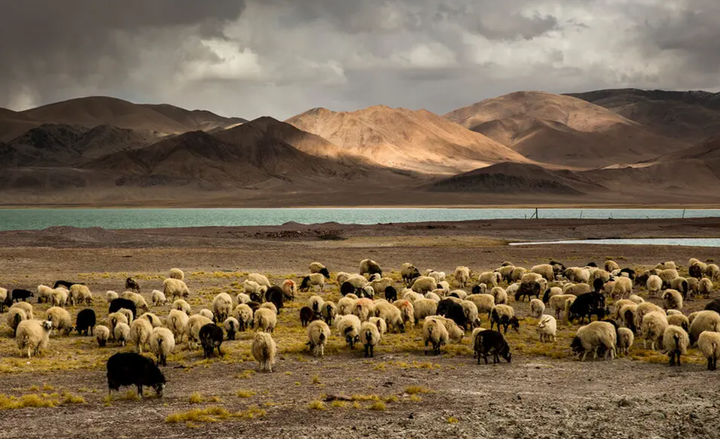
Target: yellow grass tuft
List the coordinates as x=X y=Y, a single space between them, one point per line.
x=69 y=398
x=412 y=390
x=196 y=398
x=245 y=393
x=32 y=400
x=209 y=414
x=452 y=420
x=316 y=405
x=378 y=405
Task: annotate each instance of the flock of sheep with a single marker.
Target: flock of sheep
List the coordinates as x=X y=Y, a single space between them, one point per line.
x=371 y=306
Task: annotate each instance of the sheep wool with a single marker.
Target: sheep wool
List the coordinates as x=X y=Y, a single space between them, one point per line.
x=709 y=345
x=60 y=319
x=537 y=307
x=484 y=302
x=424 y=308
x=435 y=333
x=158 y=298
x=33 y=336
x=175 y=288
x=369 y=337
x=79 y=294
x=114 y=319
x=111 y=295
x=102 y=335
x=626 y=338
x=140 y=331
x=407 y=312
x=264 y=350
x=672 y=299
x=462 y=276
x=653 y=327
x=222 y=306
x=591 y=337
x=260 y=279
x=25 y=307
x=705 y=287
x=176 y=273
x=269 y=305
x=349 y=327
x=176 y=322
x=162 y=344
x=122 y=333
x=675 y=342
x=318 y=333
x=703 y=321
x=265 y=320
x=547 y=328
x=363 y=309
x=182 y=305
x=424 y=284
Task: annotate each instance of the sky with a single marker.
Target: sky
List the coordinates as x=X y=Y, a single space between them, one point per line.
x=250 y=58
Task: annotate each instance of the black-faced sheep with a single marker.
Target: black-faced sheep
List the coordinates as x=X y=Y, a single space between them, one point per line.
x=370 y=267
x=182 y=305
x=60 y=319
x=162 y=343
x=709 y=345
x=264 y=351
x=102 y=335
x=177 y=322
x=231 y=326
x=349 y=327
x=312 y=280
x=131 y=284
x=493 y=343
x=408 y=272
x=329 y=312
x=211 y=338
x=593 y=337
x=118 y=304
x=504 y=315
x=675 y=342
x=369 y=337
x=32 y=336
x=318 y=333
x=265 y=320
x=672 y=299
x=129 y=368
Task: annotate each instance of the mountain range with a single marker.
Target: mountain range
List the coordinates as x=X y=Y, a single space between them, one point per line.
x=608 y=146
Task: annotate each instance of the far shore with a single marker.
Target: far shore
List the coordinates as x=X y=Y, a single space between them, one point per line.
x=676 y=206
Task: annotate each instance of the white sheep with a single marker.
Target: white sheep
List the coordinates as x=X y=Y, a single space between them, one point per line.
x=433 y=296
x=243 y=298
x=705 y=287
x=455 y=333
x=505 y=272
x=222 y=306
x=577 y=274
x=490 y=278
x=111 y=295
x=26 y=307
x=345 y=305
x=412 y=296
x=260 y=279
x=462 y=276
x=140 y=331
x=517 y=274
x=424 y=308
x=545 y=270
x=341 y=277
x=626 y=338
x=668 y=275
x=265 y=320
x=439 y=276
x=703 y=321
x=599 y=274
x=44 y=293
x=407 y=312
x=637 y=299
x=547 y=328
x=183 y=306
x=207 y=314
x=558 y=303
x=424 y=284
x=500 y=295
x=114 y=319
x=329 y=312
x=60 y=319
x=368 y=266
x=471 y=312
x=348 y=326
x=593 y=336
x=318 y=333
x=158 y=298
x=244 y=315
x=175 y=288
x=654 y=324
x=622 y=288
x=264 y=350
x=643 y=309
x=315 y=303
x=435 y=333
x=679 y=320
x=59 y=297
x=460 y=294
x=269 y=305
x=709 y=345
x=176 y=273
x=653 y=285
x=575 y=290
x=80 y=294
x=33 y=336
x=363 y=309
x=611 y=266
x=177 y=322
x=162 y=344
x=102 y=335
x=314 y=280
x=484 y=302
x=675 y=342
x=252 y=287
x=154 y=320
x=137 y=299
x=192 y=329
x=380 y=323
x=672 y=299
x=537 y=307
x=712 y=271
x=122 y=333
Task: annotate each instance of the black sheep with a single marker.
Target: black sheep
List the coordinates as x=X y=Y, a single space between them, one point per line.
x=85 y=322
x=6 y=303
x=325 y=272
x=276 y=296
x=120 y=303
x=476 y=289
x=211 y=337
x=64 y=283
x=591 y=264
x=695 y=271
x=307 y=315
x=132 y=284
x=129 y=368
x=231 y=330
x=256 y=297
x=598 y=285
x=546 y=296
x=505 y=321
x=493 y=343
x=452 y=310
x=390 y=294
x=588 y=304
x=347 y=288
x=630 y=272
x=254 y=305
x=19 y=295
x=713 y=305
x=527 y=289
x=408 y=277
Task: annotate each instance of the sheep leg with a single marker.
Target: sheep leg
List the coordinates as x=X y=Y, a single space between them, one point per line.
x=140 y=391
x=372 y=351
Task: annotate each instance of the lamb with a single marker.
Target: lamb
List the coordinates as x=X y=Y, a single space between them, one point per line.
x=44 y=294
x=545 y=270
x=175 y=288
x=102 y=335
x=162 y=343
x=114 y=319
x=558 y=303
x=329 y=312
x=594 y=336
x=312 y=280
x=703 y=321
x=59 y=297
x=622 y=288
x=122 y=333
x=193 y=327
x=653 y=327
x=158 y=298
x=176 y=273
x=462 y=276
x=231 y=326
x=14 y=317
x=491 y=342
x=504 y=315
x=140 y=331
x=177 y=322
x=709 y=345
x=111 y=295
x=672 y=299
x=222 y=306
x=289 y=288
x=675 y=342
x=625 y=340
x=547 y=328
x=436 y=333
x=363 y=309
x=60 y=319
x=537 y=307
x=577 y=275
x=424 y=284
x=208 y=314
x=129 y=368
x=705 y=287
x=32 y=336
x=183 y=306
x=318 y=333
x=211 y=338
x=317 y=267
x=500 y=295
x=264 y=350
x=265 y=320
x=407 y=312
x=244 y=315
x=424 y=308
x=349 y=327
x=368 y=266
x=80 y=293
x=137 y=299
x=85 y=322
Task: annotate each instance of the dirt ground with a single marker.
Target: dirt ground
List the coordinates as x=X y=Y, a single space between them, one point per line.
x=542 y=393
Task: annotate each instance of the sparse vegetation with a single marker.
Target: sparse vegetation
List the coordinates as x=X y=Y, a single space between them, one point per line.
x=316 y=405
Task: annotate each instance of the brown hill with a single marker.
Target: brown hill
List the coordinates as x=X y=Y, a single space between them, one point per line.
x=562 y=130
x=13 y=124
x=404 y=139
x=517 y=178
x=690 y=116
x=196 y=120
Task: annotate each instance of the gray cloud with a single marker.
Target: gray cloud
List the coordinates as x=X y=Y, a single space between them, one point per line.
x=281 y=57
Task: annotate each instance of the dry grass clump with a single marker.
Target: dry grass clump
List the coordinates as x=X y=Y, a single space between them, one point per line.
x=413 y=390
x=69 y=398
x=252 y=412
x=316 y=405
x=31 y=400
x=209 y=414
x=378 y=406
x=245 y=393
